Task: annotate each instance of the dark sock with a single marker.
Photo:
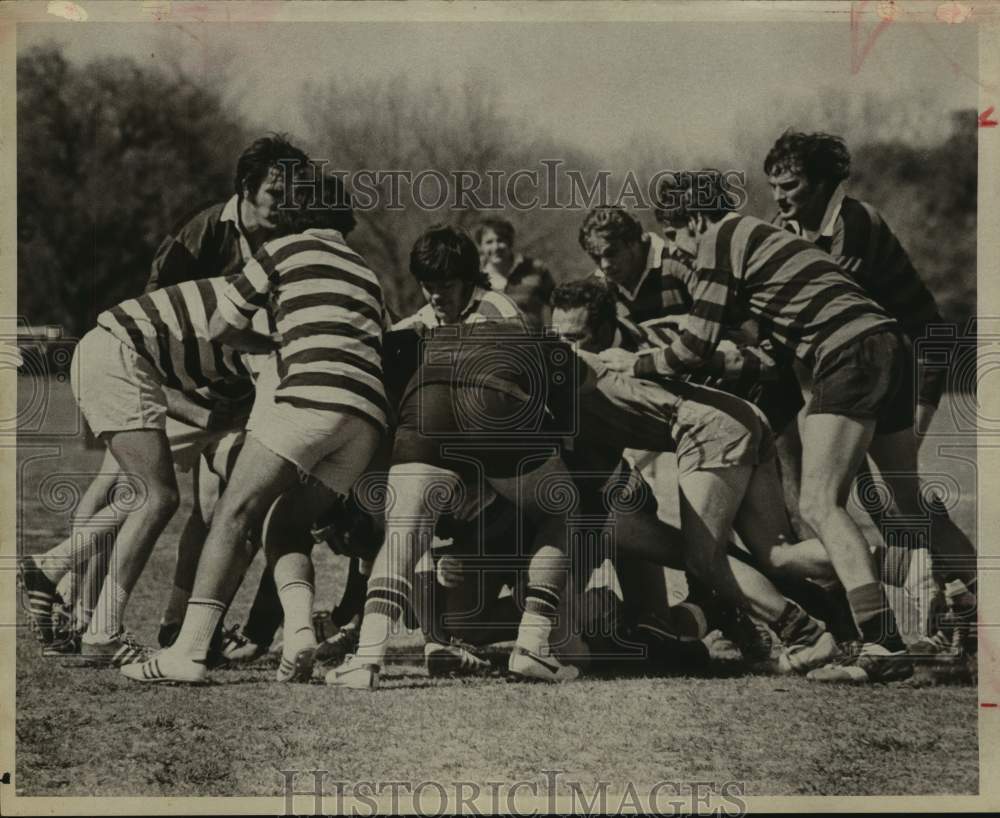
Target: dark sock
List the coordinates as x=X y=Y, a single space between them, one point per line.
x=874 y=617
x=795 y=626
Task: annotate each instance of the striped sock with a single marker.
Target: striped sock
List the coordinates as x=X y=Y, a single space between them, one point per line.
x=541 y=602
x=297 y=603
x=874 y=617
x=200 y=622
x=388 y=598
x=108 y=613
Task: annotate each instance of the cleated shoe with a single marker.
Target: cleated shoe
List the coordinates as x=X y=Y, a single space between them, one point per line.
x=355 y=674
x=453 y=660
x=804 y=656
x=871 y=664
x=298 y=668
x=236 y=648
x=527 y=664
x=42 y=598
x=68 y=645
x=752 y=639
x=166 y=667
x=335 y=649
x=121 y=649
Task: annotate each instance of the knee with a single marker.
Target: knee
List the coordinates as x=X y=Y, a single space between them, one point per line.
x=163 y=501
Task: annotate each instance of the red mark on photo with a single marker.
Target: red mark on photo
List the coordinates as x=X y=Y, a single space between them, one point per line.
x=984 y=119
x=952 y=13
x=987 y=704
x=859 y=50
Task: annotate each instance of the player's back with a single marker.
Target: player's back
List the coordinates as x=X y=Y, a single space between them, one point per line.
x=169 y=327
x=802 y=298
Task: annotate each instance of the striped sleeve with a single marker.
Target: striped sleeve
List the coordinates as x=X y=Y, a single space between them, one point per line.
x=248 y=291
x=693 y=349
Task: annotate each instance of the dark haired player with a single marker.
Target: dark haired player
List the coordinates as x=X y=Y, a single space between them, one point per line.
x=851 y=364
x=319 y=408
x=808 y=174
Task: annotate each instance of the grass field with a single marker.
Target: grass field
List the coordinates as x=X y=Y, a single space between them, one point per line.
x=90 y=732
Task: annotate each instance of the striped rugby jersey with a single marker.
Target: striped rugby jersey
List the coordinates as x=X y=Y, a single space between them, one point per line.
x=856 y=235
x=169 y=328
x=663 y=288
x=802 y=300
x=484 y=305
x=329 y=310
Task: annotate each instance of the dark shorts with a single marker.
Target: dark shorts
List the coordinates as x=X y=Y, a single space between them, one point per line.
x=869 y=379
x=462 y=429
x=779 y=400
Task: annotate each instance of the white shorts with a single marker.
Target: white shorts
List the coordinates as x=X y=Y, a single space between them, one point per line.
x=188 y=443
x=116 y=388
x=333 y=447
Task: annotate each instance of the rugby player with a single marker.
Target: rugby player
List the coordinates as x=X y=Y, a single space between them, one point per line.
x=853 y=369
x=441 y=464
x=319 y=408
x=216 y=241
x=808 y=175
x=120 y=370
x=526 y=280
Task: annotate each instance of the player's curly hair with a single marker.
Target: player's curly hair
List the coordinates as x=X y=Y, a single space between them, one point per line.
x=503 y=229
x=273 y=150
x=684 y=194
x=320 y=201
x=445 y=252
x=595 y=294
x=820 y=156
x=609 y=224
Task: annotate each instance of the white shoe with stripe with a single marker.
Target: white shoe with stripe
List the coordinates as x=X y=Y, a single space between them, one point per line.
x=297 y=668
x=529 y=665
x=355 y=674
x=167 y=666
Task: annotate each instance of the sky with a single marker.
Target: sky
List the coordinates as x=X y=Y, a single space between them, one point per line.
x=598 y=86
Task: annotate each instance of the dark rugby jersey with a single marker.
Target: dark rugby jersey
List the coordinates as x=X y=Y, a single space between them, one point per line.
x=169 y=328
x=864 y=245
x=206 y=245
x=329 y=311
x=798 y=294
x=662 y=289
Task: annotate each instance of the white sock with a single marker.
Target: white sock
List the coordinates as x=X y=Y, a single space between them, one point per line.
x=297 y=602
x=107 y=618
x=200 y=621
x=533 y=633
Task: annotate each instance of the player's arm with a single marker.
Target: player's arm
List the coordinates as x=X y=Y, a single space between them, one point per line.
x=246 y=293
x=895 y=283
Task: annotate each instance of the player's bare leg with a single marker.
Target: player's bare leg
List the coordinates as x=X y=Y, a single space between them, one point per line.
x=953 y=557
x=833 y=448
x=259 y=477
x=410 y=518
x=147 y=466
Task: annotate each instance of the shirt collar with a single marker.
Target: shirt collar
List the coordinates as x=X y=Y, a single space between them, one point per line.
x=829 y=220
x=654 y=259
x=231 y=213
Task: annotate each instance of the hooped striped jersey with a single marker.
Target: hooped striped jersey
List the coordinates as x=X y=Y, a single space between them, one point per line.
x=863 y=244
x=802 y=300
x=330 y=314
x=169 y=328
